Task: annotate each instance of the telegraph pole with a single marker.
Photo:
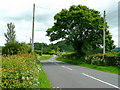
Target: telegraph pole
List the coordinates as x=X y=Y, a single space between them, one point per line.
x=33 y=28
x=42 y=49
x=104 y=35
x=30 y=40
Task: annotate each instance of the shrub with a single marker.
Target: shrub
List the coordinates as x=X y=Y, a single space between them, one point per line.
x=38 y=52
x=12 y=48
x=96 y=59
x=107 y=61
x=20 y=71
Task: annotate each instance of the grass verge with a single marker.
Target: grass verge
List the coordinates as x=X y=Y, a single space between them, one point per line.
x=45 y=57
x=111 y=69
x=43 y=79
x=44 y=82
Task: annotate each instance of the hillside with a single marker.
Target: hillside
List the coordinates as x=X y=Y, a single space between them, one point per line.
x=66 y=47
x=116 y=49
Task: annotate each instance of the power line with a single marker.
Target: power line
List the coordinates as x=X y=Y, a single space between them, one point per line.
x=46 y=8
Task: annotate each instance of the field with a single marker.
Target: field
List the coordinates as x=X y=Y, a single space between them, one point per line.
x=45 y=57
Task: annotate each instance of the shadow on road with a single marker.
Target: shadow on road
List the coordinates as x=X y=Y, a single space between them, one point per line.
x=53 y=63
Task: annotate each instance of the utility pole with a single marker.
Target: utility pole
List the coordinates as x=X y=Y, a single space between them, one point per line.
x=104 y=35
x=42 y=49
x=33 y=28
x=30 y=40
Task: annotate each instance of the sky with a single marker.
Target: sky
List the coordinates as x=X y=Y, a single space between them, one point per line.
x=19 y=12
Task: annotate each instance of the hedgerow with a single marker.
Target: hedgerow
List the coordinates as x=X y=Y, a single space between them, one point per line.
x=20 y=71
x=96 y=59
x=12 y=48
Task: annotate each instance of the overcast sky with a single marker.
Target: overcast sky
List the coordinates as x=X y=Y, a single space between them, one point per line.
x=19 y=12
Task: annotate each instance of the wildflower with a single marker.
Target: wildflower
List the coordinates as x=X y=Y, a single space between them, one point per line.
x=23 y=78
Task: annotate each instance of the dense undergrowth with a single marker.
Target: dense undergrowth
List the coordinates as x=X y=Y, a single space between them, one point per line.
x=23 y=71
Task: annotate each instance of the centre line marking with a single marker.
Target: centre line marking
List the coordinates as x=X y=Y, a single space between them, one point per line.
x=67 y=67
x=101 y=81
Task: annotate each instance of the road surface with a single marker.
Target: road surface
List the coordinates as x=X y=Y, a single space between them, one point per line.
x=63 y=75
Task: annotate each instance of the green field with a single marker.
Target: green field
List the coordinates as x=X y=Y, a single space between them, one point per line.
x=45 y=57
x=110 y=69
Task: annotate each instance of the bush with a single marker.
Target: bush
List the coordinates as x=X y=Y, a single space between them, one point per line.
x=69 y=55
x=12 y=48
x=107 y=61
x=96 y=59
x=38 y=52
x=20 y=71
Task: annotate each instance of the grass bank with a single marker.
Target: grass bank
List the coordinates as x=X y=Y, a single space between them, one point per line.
x=45 y=57
x=23 y=71
x=111 y=69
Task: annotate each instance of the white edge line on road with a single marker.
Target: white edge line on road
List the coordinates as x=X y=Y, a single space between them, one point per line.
x=56 y=87
x=101 y=81
x=67 y=67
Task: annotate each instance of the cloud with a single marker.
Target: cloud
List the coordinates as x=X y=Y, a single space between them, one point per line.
x=20 y=13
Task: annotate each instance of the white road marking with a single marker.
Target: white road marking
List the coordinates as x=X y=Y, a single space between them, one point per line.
x=57 y=87
x=67 y=67
x=101 y=81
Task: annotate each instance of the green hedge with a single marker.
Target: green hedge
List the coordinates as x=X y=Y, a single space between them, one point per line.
x=20 y=71
x=12 y=48
x=96 y=60
x=107 y=61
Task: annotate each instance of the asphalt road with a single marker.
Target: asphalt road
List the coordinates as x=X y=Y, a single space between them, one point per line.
x=63 y=75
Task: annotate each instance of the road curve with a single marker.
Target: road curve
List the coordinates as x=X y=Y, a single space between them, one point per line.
x=63 y=75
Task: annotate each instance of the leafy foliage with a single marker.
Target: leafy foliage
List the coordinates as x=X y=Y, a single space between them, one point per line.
x=43 y=48
x=10 y=35
x=20 y=71
x=64 y=46
x=96 y=59
x=12 y=48
x=81 y=27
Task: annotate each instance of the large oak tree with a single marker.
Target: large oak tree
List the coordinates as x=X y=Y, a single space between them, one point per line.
x=82 y=27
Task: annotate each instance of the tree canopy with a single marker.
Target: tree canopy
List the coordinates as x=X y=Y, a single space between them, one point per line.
x=81 y=27
x=10 y=35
